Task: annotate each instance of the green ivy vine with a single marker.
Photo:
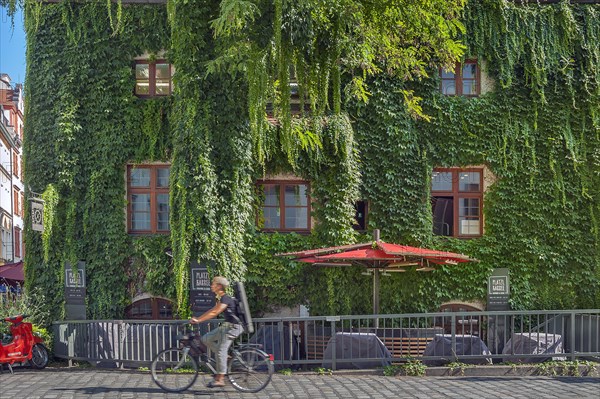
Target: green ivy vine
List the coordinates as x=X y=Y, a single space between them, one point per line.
x=377 y=127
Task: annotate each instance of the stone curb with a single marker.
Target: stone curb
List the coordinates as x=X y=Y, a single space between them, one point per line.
x=478 y=371
x=517 y=370
x=468 y=371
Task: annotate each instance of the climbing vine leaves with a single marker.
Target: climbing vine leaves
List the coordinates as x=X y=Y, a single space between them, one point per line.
x=370 y=124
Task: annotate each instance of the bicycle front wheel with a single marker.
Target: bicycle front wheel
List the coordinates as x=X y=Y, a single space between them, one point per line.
x=250 y=370
x=174 y=370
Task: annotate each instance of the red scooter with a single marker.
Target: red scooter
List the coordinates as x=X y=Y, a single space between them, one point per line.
x=23 y=346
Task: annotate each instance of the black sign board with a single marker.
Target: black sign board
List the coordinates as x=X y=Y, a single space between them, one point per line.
x=201 y=297
x=75 y=291
x=498 y=290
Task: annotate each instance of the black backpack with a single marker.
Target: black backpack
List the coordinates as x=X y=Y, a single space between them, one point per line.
x=243 y=310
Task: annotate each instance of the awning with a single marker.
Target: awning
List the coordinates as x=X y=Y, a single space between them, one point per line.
x=12 y=273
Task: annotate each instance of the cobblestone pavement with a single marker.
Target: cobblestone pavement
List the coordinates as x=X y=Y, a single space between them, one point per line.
x=77 y=383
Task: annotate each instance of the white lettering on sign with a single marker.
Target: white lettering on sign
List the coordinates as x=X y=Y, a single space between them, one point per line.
x=498 y=285
x=200 y=279
x=74 y=279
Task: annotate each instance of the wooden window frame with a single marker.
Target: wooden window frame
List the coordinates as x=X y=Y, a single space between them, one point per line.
x=153 y=190
x=152 y=78
x=155 y=305
x=282 y=183
x=457 y=195
x=17 y=206
x=458 y=79
x=356 y=226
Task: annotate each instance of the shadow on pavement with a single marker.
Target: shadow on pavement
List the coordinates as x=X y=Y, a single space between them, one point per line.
x=101 y=390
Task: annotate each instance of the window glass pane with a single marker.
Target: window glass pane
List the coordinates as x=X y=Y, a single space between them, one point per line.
x=145 y=310
x=447 y=74
x=294 y=91
x=443 y=216
x=140 y=215
x=296 y=218
x=448 y=87
x=468 y=181
x=468 y=226
x=271 y=195
x=140 y=177
x=142 y=88
x=162 y=71
x=140 y=202
x=162 y=177
x=441 y=181
x=165 y=310
x=140 y=221
x=271 y=218
x=469 y=71
x=162 y=87
x=469 y=87
x=162 y=216
x=360 y=215
x=142 y=71
x=469 y=207
x=163 y=222
x=296 y=195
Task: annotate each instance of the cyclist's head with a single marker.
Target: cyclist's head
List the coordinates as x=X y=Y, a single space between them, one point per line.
x=221 y=280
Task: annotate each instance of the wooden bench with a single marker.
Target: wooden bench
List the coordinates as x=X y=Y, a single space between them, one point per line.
x=398 y=346
x=315 y=347
x=406 y=346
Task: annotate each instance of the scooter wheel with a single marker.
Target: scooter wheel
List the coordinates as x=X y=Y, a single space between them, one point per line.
x=39 y=356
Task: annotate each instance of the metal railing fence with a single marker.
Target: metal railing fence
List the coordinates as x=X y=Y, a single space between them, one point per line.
x=364 y=341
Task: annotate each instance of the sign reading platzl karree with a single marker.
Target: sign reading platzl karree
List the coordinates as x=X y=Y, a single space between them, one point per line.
x=201 y=297
x=75 y=291
x=498 y=290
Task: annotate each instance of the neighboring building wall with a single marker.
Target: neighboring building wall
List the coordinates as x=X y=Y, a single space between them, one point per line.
x=12 y=190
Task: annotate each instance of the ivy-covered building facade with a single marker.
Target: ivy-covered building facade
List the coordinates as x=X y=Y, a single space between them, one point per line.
x=227 y=132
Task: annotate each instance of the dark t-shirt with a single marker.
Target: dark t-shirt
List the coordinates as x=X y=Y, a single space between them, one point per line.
x=231 y=309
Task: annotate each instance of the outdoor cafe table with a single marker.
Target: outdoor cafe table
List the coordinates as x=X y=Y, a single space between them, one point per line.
x=356 y=346
x=441 y=345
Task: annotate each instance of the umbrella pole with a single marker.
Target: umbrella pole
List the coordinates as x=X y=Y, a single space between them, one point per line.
x=376 y=296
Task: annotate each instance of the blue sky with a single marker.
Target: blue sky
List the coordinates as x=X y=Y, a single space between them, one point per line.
x=12 y=46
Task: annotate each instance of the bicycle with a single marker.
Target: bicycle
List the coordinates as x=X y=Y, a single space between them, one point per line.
x=176 y=369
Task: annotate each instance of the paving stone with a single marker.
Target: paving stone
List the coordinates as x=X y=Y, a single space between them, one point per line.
x=118 y=384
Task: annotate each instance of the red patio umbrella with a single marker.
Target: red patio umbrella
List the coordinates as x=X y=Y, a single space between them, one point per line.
x=378 y=256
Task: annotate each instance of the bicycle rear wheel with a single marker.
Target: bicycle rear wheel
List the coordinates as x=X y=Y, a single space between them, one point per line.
x=250 y=370
x=174 y=370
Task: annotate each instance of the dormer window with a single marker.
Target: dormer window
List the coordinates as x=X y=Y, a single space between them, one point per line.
x=464 y=80
x=153 y=78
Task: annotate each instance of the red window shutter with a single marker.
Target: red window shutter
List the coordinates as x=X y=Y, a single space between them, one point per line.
x=17 y=242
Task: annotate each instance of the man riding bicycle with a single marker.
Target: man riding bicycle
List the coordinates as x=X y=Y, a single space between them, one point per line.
x=220 y=339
